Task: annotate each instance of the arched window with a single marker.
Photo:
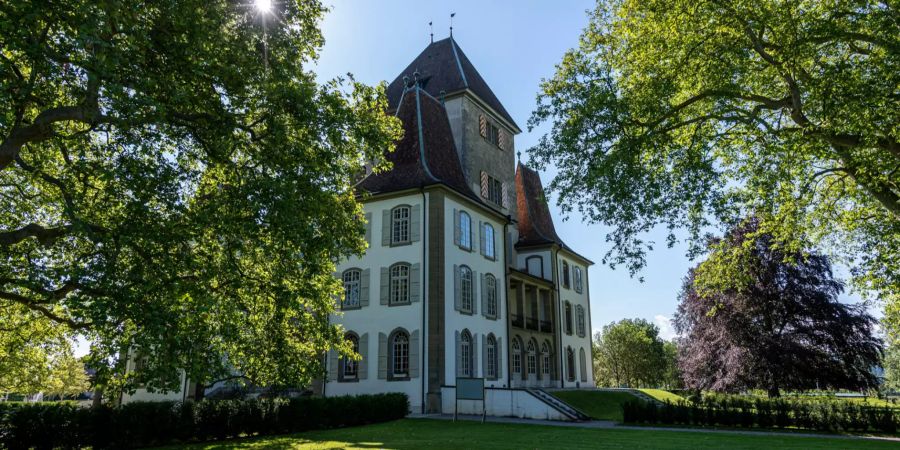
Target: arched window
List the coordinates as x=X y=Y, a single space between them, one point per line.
x=570 y=364
x=491 y=357
x=568 y=312
x=490 y=285
x=579 y=320
x=467 y=288
x=399 y=287
x=545 y=359
x=351 y=289
x=465 y=230
x=349 y=368
x=579 y=285
x=399 y=357
x=516 y=356
x=532 y=358
x=400 y=225
x=488 y=234
x=583 y=364
x=465 y=354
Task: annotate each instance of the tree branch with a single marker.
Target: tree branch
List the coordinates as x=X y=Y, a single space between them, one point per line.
x=45 y=311
x=46 y=236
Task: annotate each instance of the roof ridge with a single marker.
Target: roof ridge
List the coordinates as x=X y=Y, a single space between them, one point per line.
x=421 y=137
x=462 y=73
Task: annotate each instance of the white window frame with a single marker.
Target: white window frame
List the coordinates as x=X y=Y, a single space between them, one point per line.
x=465 y=353
x=465 y=230
x=350 y=367
x=531 y=358
x=545 y=359
x=352 y=285
x=489 y=250
x=399 y=284
x=578 y=280
x=399 y=354
x=491 y=356
x=490 y=283
x=400 y=223
x=516 y=356
x=466 y=289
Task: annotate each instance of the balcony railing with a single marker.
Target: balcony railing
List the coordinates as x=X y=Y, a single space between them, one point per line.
x=546 y=326
x=531 y=323
x=518 y=320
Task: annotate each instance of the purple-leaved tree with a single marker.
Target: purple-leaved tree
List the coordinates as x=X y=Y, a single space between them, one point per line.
x=783 y=328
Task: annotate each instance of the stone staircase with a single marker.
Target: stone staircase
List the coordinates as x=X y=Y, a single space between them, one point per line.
x=559 y=405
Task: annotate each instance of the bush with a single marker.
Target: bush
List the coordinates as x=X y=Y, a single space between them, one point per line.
x=144 y=424
x=812 y=413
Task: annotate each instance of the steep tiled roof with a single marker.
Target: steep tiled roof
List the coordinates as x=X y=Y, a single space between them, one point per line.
x=535 y=223
x=426 y=153
x=443 y=66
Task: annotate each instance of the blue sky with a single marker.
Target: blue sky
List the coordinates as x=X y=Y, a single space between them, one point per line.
x=513 y=45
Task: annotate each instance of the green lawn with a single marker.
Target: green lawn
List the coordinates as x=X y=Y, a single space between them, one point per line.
x=442 y=434
x=603 y=405
x=662 y=395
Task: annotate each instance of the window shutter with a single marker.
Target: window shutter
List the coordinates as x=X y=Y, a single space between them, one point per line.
x=499 y=358
x=332 y=365
x=457 y=231
x=474 y=355
x=484 y=363
x=481 y=238
x=382 y=356
x=482 y=125
x=458 y=356
x=364 y=354
x=414 y=223
x=364 y=288
x=415 y=282
x=369 y=229
x=386 y=228
x=414 y=354
x=501 y=140
x=484 y=184
x=504 y=202
x=457 y=300
x=474 y=295
x=385 y=282
x=484 y=309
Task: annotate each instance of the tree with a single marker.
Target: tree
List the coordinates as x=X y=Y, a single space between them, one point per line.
x=67 y=376
x=629 y=353
x=671 y=375
x=28 y=344
x=688 y=114
x=173 y=179
x=783 y=328
x=891 y=366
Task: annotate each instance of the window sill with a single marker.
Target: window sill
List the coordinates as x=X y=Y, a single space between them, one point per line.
x=398 y=378
x=399 y=304
x=464 y=248
x=350 y=308
x=468 y=313
x=348 y=380
x=400 y=244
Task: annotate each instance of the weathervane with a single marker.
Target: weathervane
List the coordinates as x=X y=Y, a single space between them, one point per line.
x=432 y=31
x=451 y=23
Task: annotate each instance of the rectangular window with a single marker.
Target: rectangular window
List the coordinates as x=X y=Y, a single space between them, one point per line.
x=399 y=284
x=491 y=360
x=565 y=275
x=488 y=233
x=351 y=289
x=578 y=282
x=400 y=225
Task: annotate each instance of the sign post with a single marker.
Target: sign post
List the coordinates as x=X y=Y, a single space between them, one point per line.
x=470 y=389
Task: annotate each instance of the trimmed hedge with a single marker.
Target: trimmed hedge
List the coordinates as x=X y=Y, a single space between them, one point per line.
x=145 y=424
x=822 y=414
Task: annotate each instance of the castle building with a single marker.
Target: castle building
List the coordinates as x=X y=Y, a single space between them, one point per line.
x=465 y=275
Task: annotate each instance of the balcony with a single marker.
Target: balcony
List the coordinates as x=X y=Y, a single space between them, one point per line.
x=546 y=326
x=531 y=323
x=518 y=320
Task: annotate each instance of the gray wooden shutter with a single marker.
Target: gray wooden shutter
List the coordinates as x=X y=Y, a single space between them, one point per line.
x=457 y=232
x=458 y=356
x=457 y=299
x=484 y=184
x=484 y=309
x=499 y=358
x=369 y=229
x=474 y=294
x=481 y=237
x=415 y=222
x=415 y=282
x=332 y=365
x=505 y=197
x=364 y=355
x=474 y=355
x=364 y=288
x=386 y=228
x=414 y=354
x=382 y=356
x=484 y=364
x=385 y=282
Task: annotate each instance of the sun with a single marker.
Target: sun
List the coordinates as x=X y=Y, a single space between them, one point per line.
x=263 y=6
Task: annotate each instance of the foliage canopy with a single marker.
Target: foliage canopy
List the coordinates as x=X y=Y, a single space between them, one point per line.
x=173 y=179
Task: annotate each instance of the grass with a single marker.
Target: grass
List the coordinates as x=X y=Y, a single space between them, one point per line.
x=441 y=434
x=602 y=405
x=662 y=395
